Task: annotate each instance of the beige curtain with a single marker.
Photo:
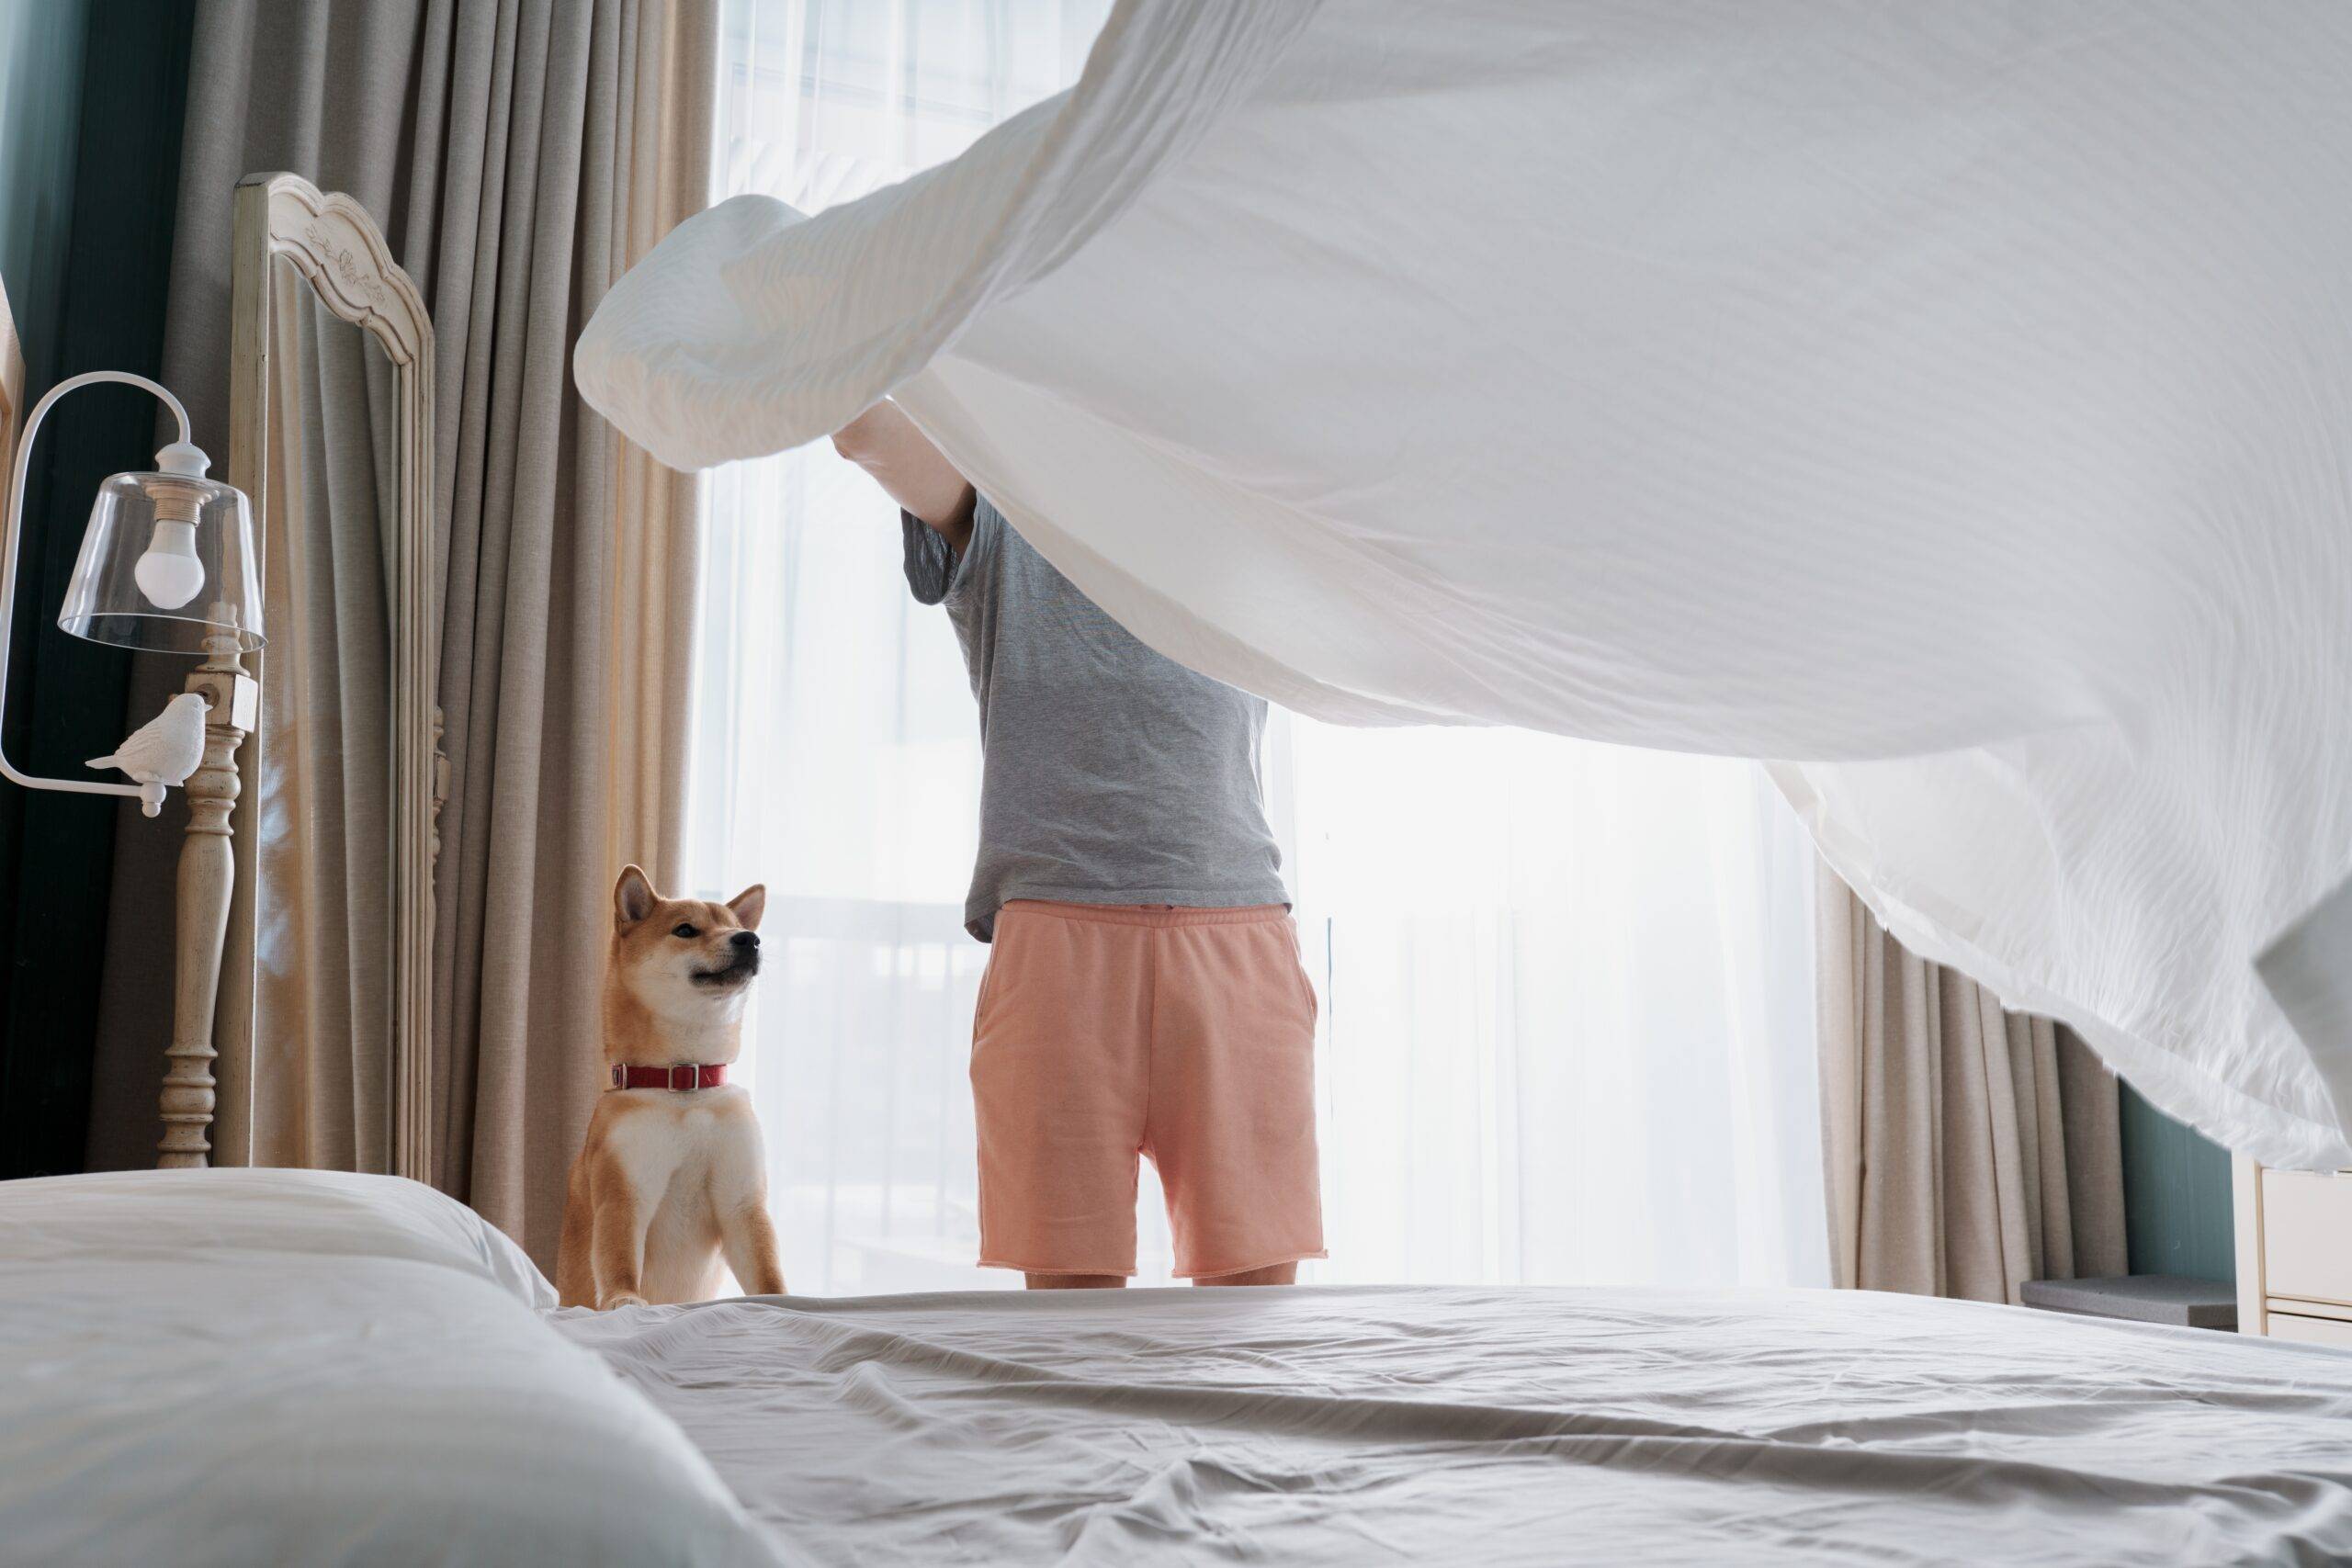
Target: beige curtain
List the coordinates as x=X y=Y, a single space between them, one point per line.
x=551 y=629
x=518 y=154
x=1967 y=1149
x=669 y=129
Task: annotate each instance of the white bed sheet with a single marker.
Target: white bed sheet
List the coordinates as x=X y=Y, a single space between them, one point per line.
x=1948 y=401
x=1360 y=1426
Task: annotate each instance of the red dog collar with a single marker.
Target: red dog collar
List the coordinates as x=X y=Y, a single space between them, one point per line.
x=679 y=1076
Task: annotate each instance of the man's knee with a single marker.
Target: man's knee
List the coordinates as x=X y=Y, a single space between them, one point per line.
x=1075 y=1281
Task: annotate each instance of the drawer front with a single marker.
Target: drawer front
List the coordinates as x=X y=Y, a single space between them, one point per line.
x=2318 y=1330
x=2307 y=1234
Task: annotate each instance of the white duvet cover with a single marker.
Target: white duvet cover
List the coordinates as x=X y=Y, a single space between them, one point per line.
x=244 y=1367
x=1950 y=401
x=1497 y=1427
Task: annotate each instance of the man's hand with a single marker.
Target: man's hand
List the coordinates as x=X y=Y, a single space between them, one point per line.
x=884 y=443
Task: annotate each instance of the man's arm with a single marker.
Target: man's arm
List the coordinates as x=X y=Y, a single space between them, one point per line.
x=884 y=443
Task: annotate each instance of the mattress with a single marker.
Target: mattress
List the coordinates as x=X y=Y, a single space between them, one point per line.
x=1416 y=1424
x=239 y=1367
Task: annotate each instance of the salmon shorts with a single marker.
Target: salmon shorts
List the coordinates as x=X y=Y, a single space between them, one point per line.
x=1108 y=1032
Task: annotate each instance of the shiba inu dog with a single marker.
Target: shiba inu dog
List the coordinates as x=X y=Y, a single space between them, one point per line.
x=672 y=1177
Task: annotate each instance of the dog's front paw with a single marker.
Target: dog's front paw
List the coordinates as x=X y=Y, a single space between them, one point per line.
x=620 y=1299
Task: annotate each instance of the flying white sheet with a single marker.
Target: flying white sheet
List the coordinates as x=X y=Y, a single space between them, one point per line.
x=1951 y=401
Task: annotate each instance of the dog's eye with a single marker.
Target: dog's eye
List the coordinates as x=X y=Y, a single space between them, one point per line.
x=684 y=930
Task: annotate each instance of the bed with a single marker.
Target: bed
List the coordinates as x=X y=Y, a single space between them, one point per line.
x=238 y=1366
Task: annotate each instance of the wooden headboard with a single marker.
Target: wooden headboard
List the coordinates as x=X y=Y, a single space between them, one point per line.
x=341 y=257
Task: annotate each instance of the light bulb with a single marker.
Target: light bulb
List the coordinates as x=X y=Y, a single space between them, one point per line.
x=169 y=574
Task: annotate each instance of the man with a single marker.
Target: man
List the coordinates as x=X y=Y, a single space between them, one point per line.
x=1144 y=994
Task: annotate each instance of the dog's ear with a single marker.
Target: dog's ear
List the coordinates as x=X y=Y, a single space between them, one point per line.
x=633 y=896
x=750 y=904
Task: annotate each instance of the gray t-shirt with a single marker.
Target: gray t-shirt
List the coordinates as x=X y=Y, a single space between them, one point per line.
x=1108 y=774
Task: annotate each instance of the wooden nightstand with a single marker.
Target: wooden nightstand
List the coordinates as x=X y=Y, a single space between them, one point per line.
x=2294 y=1253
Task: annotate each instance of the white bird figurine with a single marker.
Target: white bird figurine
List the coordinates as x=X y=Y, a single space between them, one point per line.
x=164 y=750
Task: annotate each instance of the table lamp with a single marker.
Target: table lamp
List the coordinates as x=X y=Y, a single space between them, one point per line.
x=166 y=565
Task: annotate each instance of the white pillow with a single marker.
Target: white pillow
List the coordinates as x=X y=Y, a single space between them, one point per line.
x=175 y=1214
x=239 y=1367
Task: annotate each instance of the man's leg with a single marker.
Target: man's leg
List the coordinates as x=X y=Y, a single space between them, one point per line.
x=1075 y=1281
x=1273 y=1274
x=1232 y=1109
x=1059 y=1049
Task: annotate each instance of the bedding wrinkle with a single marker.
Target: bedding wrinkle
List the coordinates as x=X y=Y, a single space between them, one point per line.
x=1172 y=1504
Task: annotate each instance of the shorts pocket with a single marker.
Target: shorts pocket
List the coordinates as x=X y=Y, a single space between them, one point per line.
x=1297 y=962
x=1000 y=945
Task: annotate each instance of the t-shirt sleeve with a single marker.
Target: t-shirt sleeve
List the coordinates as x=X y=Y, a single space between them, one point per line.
x=931 y=566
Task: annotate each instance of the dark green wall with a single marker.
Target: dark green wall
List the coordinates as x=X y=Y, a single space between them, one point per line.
x=2177 y=1199
x=41 y=93
x=117 y=70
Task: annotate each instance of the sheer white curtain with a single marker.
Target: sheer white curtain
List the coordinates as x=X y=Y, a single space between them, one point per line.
x=1567 y=988
x=1568 y=1009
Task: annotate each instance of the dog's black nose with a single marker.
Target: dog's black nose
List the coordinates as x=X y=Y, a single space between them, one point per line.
x=744 y=938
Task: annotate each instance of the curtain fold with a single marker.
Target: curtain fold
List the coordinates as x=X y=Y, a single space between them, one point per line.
x=667 y=138
x=1965 y=1149
x=518 y=154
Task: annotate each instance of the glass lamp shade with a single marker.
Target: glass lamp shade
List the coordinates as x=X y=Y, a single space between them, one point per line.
x=167 y=563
